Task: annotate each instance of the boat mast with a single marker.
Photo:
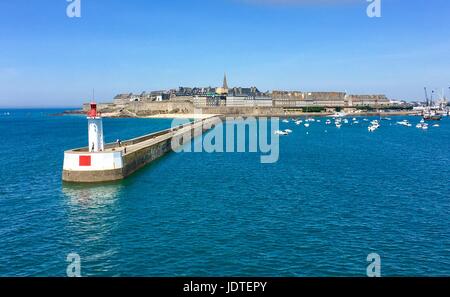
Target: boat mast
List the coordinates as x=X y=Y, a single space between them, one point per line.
x=431 y=99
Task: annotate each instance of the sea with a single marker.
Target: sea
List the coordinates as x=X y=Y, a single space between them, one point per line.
x=333 y=197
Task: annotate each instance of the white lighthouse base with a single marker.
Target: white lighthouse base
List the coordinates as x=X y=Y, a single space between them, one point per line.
x=92 y=167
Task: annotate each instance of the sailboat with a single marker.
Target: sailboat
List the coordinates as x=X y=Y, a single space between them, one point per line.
x=430 y=114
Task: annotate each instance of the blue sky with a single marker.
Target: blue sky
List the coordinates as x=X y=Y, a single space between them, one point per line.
x=48 y=59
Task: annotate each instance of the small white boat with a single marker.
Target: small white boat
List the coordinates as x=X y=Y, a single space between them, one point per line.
x=328 y=122
x=285 y=121
x=279 y=132
x=422 y=126
x=338 y=115
x=338 y=125
x=375 y=124
x=404 y=123
x=436 y=125
x=372 y=128
x=355 y=122
x=298 y=122
x=288 y=131
x=345 y=121
x=306 y=125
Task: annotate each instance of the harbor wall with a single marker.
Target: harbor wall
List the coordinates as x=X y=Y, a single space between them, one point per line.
x=140 y=158
x=160 y=108
x=173 y=107
x=146 y=108
x=251 y=111
x=105 y=166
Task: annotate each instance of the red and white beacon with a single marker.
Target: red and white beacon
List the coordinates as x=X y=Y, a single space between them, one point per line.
x=95 y=126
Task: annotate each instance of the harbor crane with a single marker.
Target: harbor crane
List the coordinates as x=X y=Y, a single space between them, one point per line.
x=426 y=96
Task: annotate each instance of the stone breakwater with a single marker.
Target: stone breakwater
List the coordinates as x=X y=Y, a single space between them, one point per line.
x=117 y=162
x=177 y=109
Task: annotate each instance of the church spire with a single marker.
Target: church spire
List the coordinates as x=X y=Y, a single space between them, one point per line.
x=225 y=83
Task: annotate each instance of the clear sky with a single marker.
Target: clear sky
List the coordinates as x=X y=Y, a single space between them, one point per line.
x=117 y=46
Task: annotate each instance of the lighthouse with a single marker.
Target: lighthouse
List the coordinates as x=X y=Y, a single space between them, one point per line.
x=95 y=130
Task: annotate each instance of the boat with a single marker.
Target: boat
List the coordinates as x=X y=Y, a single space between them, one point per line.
x=279 y=132
x=375 y=123
x=404 y=123
x=338 y=125
x=328 y=122
x=372 y=128
x=430 y=116
x=429 y=113
x=285 y=121
x=288 y=131
x=306 y=125
x=338 y=115
x=423 y=126
x=436 y=125
x=299 y=122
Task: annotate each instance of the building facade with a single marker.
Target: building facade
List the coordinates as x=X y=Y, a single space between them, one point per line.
x=298 y=99
x=252 y=97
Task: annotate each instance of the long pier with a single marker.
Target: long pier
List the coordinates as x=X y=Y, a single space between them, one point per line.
x=116 y=162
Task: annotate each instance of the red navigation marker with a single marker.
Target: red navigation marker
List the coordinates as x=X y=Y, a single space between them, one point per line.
x=85 y=161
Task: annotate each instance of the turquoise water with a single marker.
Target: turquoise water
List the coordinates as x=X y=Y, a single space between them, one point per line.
x=333 y=197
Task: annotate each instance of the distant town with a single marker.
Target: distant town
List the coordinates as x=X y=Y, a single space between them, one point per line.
x=250 y=100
